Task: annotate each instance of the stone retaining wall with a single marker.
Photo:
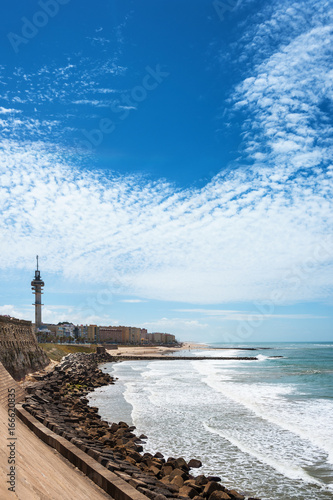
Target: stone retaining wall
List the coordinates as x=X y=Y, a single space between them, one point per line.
x=19 y=350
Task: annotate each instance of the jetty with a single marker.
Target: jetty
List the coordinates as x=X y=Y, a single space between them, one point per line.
x=184 y=358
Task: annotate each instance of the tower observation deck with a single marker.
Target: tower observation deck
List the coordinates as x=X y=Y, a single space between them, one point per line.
x=37 y=287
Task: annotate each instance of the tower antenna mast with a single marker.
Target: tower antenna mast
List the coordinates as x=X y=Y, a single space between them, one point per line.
x=37 y=289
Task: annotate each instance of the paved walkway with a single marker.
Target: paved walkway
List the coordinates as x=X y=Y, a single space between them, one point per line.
x=41 y=472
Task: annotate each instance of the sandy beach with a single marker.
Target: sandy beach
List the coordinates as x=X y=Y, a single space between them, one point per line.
x=153 y=351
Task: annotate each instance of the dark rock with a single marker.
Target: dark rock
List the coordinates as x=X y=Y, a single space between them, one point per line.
x=194 y=464
x=178 y=481
x=163 y=491
x=136 y=483
x=212 y=486
x=177 y=472
x=150 y=494
x=181 y=463
x=201 y=480
x=158 y=496
x=235 y=495
x=187 y=491
x=191 y=482
x=155 y=471
x=219 y=495
x=166 y=469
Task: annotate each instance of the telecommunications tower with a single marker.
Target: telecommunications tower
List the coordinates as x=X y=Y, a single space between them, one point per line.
x=37 y=287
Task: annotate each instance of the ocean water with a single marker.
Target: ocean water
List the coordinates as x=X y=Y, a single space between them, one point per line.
x=265 y=427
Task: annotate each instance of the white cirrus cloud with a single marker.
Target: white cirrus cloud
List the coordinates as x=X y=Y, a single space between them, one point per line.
x=232 y=315
x=5 y=111
x=164 y=325
x=288 y=91
x=245 y=234
x=248 y=234
x=133 y=301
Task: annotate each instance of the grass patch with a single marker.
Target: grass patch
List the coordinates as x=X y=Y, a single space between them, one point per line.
x=58 y=351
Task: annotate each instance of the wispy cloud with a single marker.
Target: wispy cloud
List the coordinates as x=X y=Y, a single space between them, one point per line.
x=133 y=301
x=4 y=111
x=58 y=92
x=230 y=315
x=175 y=324
x=287 y=92
x=234 y=239
x=14 y=311
x=76 y=315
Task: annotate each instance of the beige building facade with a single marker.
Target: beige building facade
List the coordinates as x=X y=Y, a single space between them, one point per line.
x=92 y=333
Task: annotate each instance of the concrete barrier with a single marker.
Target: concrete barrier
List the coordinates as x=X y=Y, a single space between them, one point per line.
x=116 y=487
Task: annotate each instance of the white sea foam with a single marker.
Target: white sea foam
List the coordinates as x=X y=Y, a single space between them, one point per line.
x=309 y=419
x=221 y=413
x=287 y=469
x=261 y=357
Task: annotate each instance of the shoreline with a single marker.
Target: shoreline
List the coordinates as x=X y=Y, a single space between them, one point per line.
x=163 y=351
x=115 y=446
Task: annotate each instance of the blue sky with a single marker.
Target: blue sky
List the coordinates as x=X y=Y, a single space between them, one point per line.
x=171 y=163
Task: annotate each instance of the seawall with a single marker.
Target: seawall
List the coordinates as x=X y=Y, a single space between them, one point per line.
x=37 y=467
x=19 y=350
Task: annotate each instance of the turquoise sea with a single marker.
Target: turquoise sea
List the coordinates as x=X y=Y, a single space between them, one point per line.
x=265 y=427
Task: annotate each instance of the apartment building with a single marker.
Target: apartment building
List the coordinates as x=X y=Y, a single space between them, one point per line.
x=125 y=339
x=161 y=338
x=111 y=334
x=144 y=334
x=134 y=335
x=65 y=330
x=92 y=333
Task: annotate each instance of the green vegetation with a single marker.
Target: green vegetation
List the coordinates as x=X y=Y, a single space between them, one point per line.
x=70 y=388
x=58 y=351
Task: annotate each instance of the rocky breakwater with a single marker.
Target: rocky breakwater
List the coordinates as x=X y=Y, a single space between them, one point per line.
x=122 y=357
x=58 y=401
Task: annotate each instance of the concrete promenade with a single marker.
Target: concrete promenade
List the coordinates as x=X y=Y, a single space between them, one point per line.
x=41 y=472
